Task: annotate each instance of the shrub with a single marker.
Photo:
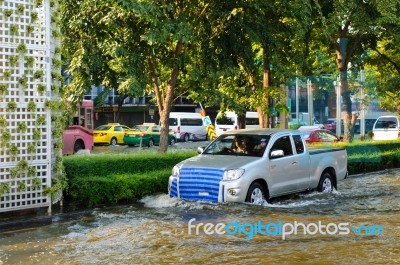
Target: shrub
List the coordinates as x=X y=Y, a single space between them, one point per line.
x=3 y=122
x=5 y=138
x=20 y=9
x=38 y=74
x=22 y=127
x=106 y=165
x=7 y=73
x=95 y=190
x=3 y=89
x=31 y=148
x=13 y=29
x=34 y=16
x=29 y=29
x=11 y=106
x=8 y=12
x=41 y=88
x=114 y=179
x=31 y=106
x=13 y=60
x=21 y=48
x=40 y=120
x=30 y=61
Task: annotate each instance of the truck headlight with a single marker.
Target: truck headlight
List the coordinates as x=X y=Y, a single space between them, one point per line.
x=232 y=174
x=175 y=171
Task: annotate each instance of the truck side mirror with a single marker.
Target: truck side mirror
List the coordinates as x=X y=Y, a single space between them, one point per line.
x=276 y=153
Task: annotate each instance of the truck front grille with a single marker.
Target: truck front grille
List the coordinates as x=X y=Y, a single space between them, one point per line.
x=199 y=183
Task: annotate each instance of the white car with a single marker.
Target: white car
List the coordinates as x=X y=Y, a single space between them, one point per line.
x=386 y=128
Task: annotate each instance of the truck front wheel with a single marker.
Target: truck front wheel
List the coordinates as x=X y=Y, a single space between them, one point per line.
x=325 y=183
x=256 y=194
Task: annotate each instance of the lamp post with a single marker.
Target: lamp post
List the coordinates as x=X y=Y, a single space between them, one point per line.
x=362 y=111
x=310 y=102
x=337 y=85
x=297 y=99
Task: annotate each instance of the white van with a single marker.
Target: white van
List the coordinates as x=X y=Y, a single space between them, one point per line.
x=386 y=128
x=226 y=121
x=187 y=126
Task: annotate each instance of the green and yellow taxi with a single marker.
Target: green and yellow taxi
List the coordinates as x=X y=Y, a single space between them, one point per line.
x=146 y=134
x=111 y=133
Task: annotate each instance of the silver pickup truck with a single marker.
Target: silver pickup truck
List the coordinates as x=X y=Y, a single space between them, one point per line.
x=255 y=165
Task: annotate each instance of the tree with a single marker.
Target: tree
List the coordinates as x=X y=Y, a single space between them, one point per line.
x=144 y=44
x=252 y=36
x=352 y=27
x=93 y=51
x=385 y=61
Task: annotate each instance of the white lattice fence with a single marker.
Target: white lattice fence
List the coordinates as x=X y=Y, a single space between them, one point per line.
x=26 y=57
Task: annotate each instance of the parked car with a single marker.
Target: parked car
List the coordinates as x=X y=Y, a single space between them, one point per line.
x=147 y=134
x=330 y=125
x=112 y=133
x=226 y=121
x=386 y=128
x=187 y=126
x=318 y=136
x=284 y=164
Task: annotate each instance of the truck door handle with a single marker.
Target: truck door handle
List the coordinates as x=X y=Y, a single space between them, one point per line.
x=294 y=163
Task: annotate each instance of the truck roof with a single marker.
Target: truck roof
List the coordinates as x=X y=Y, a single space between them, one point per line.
x=261 y=131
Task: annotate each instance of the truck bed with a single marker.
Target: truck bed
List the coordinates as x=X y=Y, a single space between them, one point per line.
x=320 y=150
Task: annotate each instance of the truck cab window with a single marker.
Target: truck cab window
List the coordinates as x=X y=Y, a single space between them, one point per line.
x=284 y=144
x=298 y=143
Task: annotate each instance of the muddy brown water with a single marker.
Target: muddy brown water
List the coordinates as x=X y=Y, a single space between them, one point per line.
x=160 y=230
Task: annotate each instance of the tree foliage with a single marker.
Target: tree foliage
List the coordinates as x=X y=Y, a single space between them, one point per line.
x=351 y=28
x=235 y=54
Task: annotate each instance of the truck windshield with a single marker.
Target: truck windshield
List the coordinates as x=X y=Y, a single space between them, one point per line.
x=239 y=144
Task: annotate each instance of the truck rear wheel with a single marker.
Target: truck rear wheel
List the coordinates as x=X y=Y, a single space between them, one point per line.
x=255 y=194
x=325 y=183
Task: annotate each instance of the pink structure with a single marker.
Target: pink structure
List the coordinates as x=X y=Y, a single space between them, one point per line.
x=79 y=134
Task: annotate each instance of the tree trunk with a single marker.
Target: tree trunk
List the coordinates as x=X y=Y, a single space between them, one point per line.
x=349 y=119
x=283 y=115
x=165 y=100
x=260 y=111
x=263 y=118
x=241 y=121
x=120 y=103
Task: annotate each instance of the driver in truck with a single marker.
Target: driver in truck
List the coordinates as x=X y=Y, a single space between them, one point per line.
x=241 y=145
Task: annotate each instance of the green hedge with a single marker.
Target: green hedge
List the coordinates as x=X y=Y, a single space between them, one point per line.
x=111 y=179
x=95 y=190
x=112 y=164
x=372 y=156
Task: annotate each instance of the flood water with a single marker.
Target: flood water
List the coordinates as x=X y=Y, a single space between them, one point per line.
x=157 y=231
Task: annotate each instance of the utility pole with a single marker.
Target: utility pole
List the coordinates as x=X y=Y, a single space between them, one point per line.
x=337 y=85
x=297 y=98
x=362 y=111
x=310 y=102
